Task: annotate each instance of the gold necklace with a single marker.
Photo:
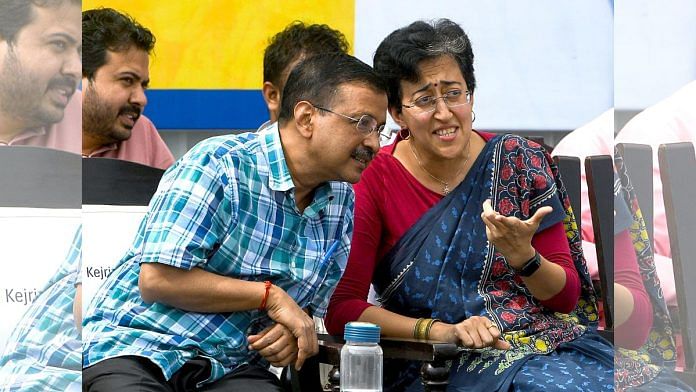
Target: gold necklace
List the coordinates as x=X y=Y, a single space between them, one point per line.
x=445 y=184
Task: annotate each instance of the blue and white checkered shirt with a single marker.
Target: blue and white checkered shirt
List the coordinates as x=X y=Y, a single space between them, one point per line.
x=43 y=352
x=227 y=207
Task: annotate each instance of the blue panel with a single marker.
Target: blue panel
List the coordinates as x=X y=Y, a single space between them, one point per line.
x=206 y=109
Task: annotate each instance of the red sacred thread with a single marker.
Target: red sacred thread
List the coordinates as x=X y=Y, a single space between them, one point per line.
x=265 y=295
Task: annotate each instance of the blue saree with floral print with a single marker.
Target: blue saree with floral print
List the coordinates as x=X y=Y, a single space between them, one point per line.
x=443 y=267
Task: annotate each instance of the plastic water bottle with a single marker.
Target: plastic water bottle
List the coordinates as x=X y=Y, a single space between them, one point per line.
x=361 y=358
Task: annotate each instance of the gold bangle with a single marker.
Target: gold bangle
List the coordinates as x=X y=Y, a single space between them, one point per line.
x=429 y=327
x=423 y=329
x=416 y=326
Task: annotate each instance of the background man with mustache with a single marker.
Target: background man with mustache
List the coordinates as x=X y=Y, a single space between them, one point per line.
x=115 y=75
x=40 y=48
x=245 y=240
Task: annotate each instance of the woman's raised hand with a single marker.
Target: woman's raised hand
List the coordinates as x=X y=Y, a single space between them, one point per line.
x=511 y=236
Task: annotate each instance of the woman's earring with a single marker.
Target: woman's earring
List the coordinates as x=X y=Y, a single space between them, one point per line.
x=473 y=116
x=408 y=134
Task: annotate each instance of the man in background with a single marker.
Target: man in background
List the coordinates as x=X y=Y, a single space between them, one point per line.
x=40 y=49
x=295 y=43
x=115 y=75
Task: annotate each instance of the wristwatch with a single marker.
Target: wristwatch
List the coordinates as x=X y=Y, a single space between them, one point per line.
x=530 y=266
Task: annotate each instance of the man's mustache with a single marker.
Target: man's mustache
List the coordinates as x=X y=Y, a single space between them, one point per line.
x=130 y=109
x=364 y=154
x=63 y=82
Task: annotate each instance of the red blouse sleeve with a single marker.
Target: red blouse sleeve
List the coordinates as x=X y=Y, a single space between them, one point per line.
x=552 y=243
x=633 y=332
x=349 y=299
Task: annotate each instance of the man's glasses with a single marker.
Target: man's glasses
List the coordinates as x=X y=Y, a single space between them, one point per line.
x=428 y=103
x=366 y=124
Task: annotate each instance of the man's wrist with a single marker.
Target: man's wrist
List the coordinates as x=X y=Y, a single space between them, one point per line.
x=267 y=290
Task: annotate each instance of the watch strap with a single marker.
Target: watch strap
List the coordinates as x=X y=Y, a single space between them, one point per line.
x=531 y=266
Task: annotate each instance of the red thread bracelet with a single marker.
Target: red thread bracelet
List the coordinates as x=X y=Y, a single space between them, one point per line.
x=265 y=295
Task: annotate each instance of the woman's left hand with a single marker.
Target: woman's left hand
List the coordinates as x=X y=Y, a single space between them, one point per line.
x=511 y=236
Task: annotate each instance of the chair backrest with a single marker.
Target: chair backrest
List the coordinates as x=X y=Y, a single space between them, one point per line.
x=570 y=175
x=678 y=174
x=638 y=159
x=115 y=198
x=116 y=182
x=39 y=177
x=599 y=170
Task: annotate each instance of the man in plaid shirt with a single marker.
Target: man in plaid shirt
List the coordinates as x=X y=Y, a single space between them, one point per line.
x=244 y=241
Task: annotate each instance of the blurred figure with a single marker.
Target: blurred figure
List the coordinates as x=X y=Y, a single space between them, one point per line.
x=646 y=350
x=43 y=353
x=40 y=49
x=671 y=120
x=593 y=138
x=286 y=49
x=115 y=75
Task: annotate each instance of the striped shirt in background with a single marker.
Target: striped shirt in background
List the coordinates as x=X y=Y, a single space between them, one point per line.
x=43 y=352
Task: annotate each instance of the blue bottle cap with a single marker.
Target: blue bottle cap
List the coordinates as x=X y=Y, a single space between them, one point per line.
x=360 y=332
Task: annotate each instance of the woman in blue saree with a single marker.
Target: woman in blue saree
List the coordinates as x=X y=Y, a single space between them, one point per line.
x=468 y=237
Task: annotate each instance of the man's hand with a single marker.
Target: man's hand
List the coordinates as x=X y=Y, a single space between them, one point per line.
x=283 y=310
x=275 y=343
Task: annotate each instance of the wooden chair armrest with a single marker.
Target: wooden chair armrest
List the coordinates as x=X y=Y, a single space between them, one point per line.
x=409 y=349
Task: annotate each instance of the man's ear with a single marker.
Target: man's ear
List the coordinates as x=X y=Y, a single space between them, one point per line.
x=304 y=113
x=398 y=115
x=271 y=94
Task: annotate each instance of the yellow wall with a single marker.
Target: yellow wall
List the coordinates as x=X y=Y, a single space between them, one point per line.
x=218 y=44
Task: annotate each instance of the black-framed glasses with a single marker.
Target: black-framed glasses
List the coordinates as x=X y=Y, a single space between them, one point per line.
x=452 y=98
x=366 y=124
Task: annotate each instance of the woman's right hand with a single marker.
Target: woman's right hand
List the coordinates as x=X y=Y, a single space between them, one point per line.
x=474 y=332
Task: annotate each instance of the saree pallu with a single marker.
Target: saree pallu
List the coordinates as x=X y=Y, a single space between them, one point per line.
x=647 y=368
x=443 y=267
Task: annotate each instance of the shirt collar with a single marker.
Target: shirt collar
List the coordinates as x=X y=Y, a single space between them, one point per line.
x=103 y=149
x=28 y=134
x=279 y=178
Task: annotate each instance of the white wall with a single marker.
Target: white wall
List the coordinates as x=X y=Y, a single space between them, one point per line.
x=655 y=49
x=540 y=64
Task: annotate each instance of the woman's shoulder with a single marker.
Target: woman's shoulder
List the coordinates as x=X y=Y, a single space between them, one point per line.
x=383 y=160
x=516 y=143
